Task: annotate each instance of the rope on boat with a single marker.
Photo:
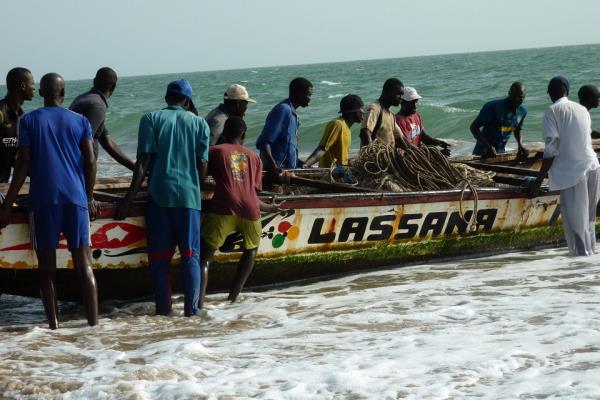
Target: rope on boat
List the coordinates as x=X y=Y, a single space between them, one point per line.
x=420 y=168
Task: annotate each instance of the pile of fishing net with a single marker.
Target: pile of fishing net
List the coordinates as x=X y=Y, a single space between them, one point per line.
x=380 y=166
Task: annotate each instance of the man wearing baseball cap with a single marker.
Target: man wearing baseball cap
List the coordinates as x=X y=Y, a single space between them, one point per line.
x=572 y=167
x=173 y=148
x=411 y=125
x=589 y=97
x=497 y=121
x=337 y=138
x=235 y=103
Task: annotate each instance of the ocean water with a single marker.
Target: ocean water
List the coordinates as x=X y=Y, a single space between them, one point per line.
x=454 y=88
x=514 y=326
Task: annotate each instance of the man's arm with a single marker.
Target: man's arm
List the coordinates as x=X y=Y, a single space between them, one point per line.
x=534 y=189
x=475 y=129
x=595 y=134
x=19 y=176
x=89 y=171
x=202 y=167
x=139 y=173
x=316 y=155
x=115 y=151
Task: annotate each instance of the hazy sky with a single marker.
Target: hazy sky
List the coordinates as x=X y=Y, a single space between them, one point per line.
x=139 y=37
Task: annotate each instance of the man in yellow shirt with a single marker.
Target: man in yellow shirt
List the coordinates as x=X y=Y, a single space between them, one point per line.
x=335 y=143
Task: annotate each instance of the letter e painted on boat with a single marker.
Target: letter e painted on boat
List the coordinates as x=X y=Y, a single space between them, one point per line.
x=411 y=229
x=356 y=226
x=316 y=237
x=433 y=222
x=384 y=230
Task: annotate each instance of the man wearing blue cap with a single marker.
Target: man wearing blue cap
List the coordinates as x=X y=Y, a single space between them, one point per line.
x=572 y=167
x=173 y=147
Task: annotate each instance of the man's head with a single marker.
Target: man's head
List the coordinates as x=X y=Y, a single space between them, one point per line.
x=236 y=100
x=52 y=88
x=516 y=94
x=558 y=87
x=20 y=81
x=234 y=130
x=105 y=81
x=351 y=107
x=392 y=91
x=589 y=96
x=410 y=98
x=300 y=92
x=180 y=93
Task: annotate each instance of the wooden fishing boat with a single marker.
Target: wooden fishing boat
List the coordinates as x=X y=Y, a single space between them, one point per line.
x=319 y=235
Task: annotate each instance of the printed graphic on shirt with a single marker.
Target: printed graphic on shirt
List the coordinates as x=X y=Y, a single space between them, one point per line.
x=239 y=165
x=511 y=123
x=415 y=130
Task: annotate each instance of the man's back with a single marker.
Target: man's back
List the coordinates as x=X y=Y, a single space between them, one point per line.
x=216 y=121
x=238 y=174
x=54 y=136
x=571 y=124
x=176 y=138
x=93 y=106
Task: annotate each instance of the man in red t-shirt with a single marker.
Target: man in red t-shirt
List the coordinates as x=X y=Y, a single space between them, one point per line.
x=235 y=206
x=411 y=125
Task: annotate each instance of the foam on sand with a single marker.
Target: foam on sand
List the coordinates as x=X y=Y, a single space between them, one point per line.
x=522 y=325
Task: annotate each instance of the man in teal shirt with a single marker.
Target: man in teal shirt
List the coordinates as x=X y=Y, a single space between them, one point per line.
x=173 y=147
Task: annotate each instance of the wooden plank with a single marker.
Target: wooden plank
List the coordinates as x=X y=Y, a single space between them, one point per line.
x=340 y=187
x=503 y=169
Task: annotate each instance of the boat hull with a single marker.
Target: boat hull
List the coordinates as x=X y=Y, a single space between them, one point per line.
x=318 y=236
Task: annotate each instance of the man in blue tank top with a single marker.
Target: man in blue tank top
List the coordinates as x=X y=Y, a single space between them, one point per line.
x=55 y=147
x=497 y=121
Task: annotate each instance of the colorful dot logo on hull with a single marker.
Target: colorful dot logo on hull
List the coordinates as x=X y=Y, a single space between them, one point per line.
x=285 y=230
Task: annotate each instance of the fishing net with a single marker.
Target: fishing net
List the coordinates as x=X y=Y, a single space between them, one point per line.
x=384 y=167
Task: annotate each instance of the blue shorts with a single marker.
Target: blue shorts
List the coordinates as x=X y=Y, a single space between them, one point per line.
x=47 y=223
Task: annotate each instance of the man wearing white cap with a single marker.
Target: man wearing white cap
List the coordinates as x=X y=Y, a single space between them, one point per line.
x=235 y=103
x=410 y=123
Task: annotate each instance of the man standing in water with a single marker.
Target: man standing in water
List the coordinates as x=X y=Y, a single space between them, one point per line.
x=278 y=141
x=173 y=148
x=56 y=150
x=379 y=122
x=337 y=138
x=589 y=97
x=235 y=103
x=93 y=105
x=499 y=119
x=572 y=167
x=235 y=206
x=19 y=88
x=409 y=121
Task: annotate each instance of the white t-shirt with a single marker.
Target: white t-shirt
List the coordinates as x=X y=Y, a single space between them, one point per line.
x=567 y=134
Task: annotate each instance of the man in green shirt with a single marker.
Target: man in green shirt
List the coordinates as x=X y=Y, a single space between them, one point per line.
x=173 y=147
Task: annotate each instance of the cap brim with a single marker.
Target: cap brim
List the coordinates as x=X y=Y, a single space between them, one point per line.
x=249 y=100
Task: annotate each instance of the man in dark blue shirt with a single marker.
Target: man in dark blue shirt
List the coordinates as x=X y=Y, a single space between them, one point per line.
x=499 y=120
x=278 y=142
x=56 y=150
